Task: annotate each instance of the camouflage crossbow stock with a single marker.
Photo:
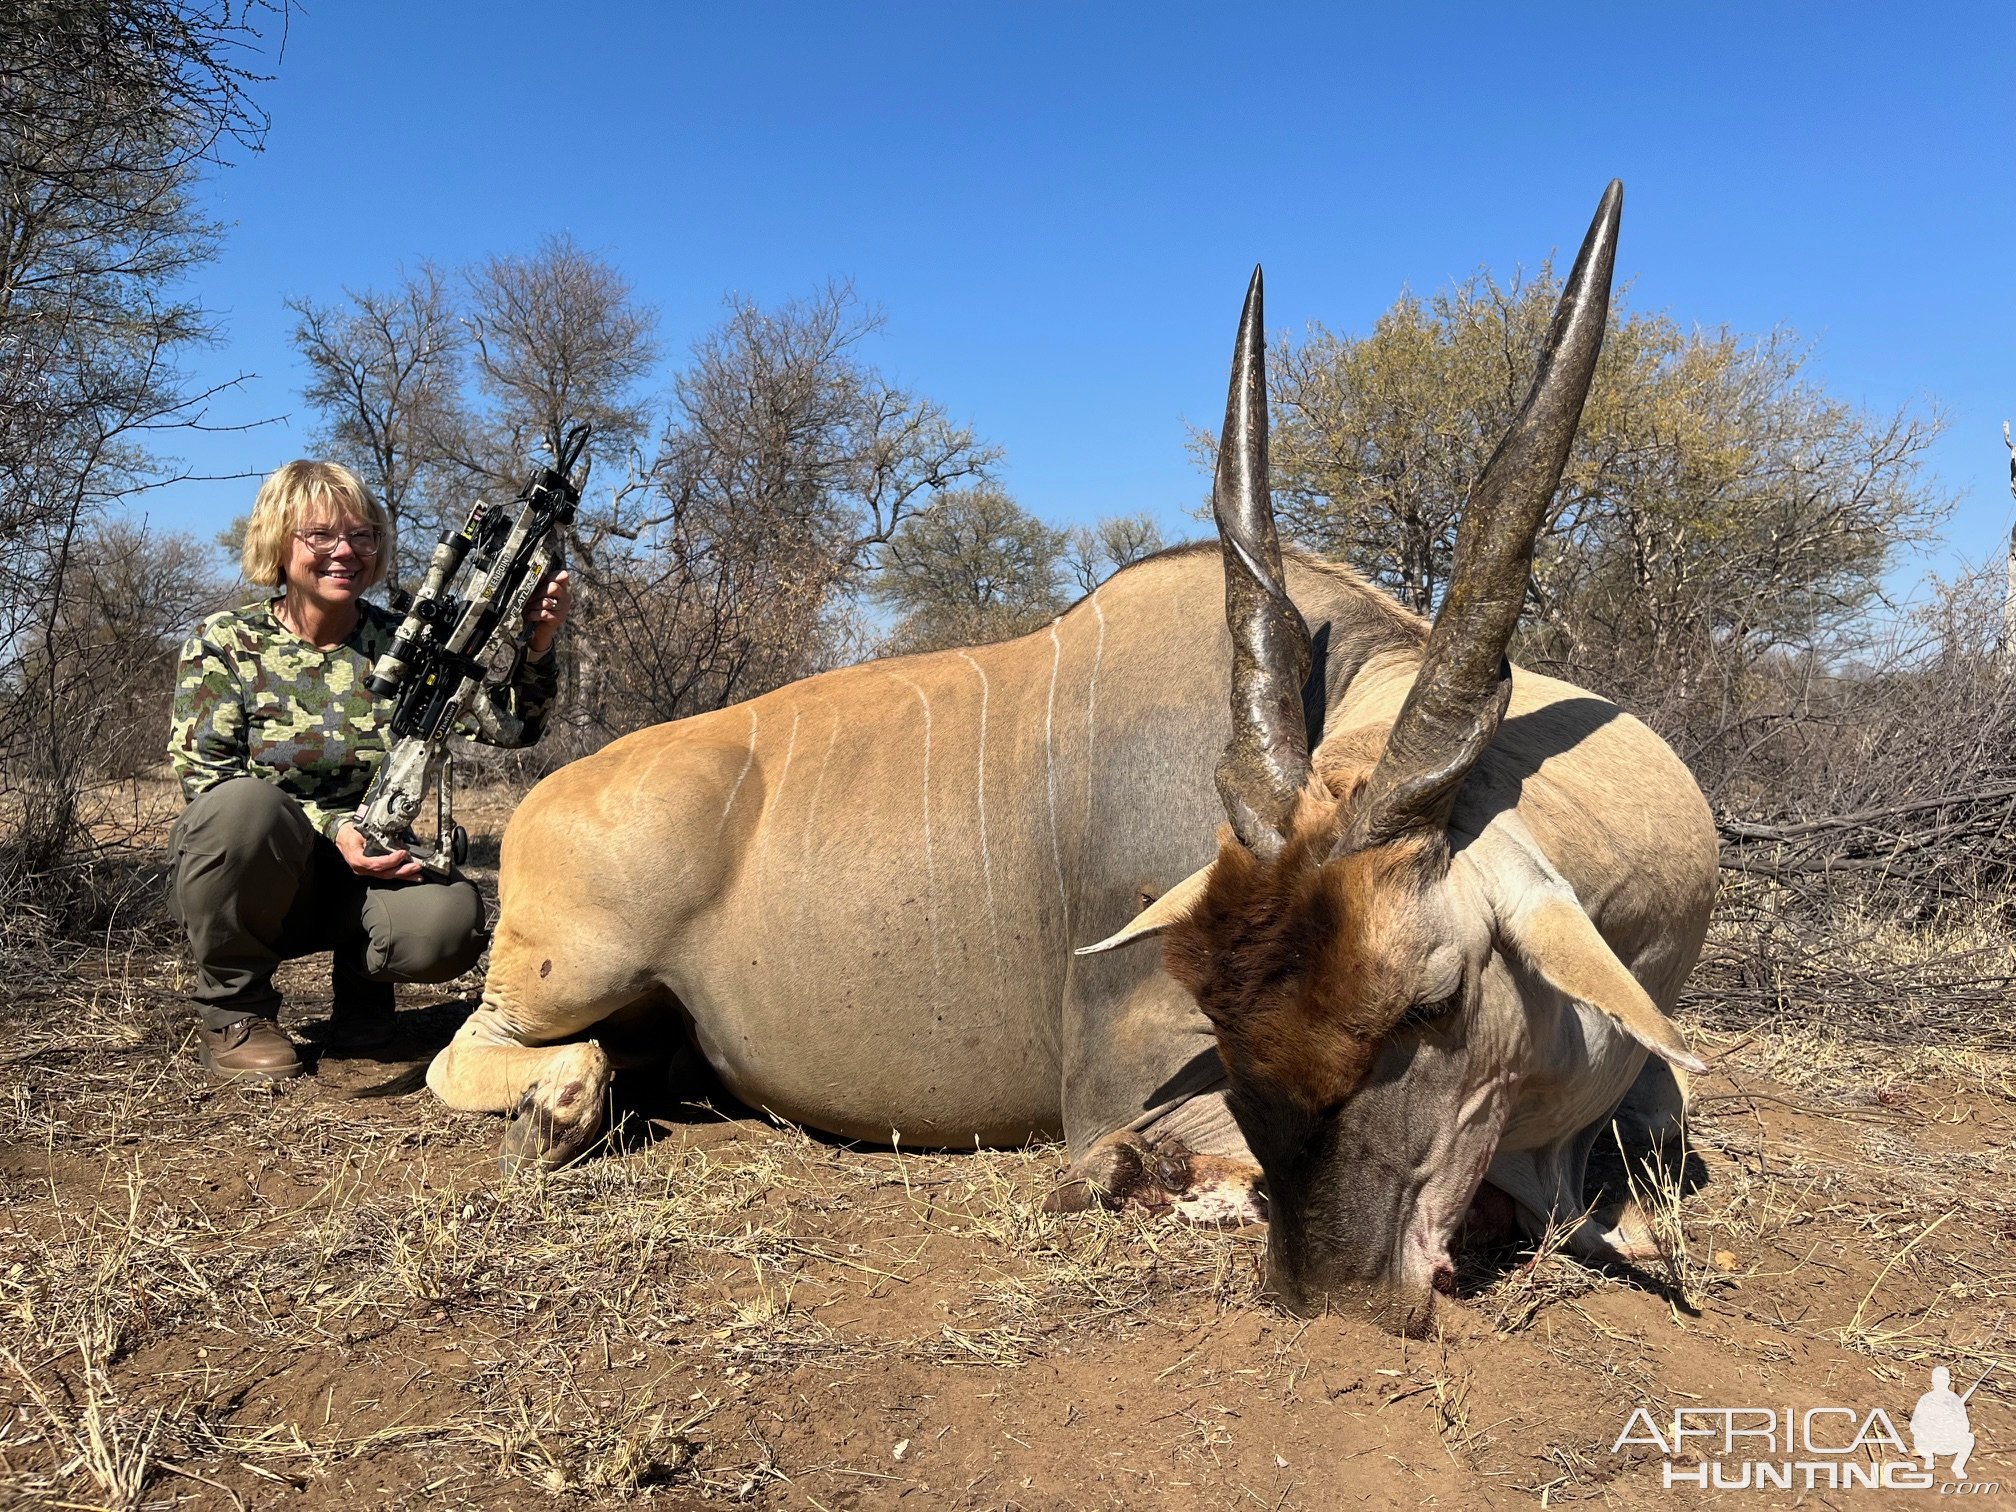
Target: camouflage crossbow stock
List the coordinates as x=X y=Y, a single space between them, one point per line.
x=457 y=630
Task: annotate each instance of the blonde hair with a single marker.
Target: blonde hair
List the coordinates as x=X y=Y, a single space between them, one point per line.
x=286 y=498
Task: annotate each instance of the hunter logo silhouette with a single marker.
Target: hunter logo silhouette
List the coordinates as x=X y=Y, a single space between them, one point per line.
x=1939 y=1423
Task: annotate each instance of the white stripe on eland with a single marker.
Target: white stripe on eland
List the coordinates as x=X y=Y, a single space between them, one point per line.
x=930 y=860
x=748 y=762
x=812 y=810
x=980 y=799
x=1050 y=776
x=776 y=793
x=1092 y=708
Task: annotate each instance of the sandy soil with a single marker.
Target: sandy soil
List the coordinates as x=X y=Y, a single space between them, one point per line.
x=326 y=1297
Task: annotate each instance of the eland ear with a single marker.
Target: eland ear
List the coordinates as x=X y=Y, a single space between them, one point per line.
x=1545 y=925
x=1554 y=937
x=1171 y=908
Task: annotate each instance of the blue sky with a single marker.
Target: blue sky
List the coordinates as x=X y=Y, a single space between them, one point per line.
x=1057 y=205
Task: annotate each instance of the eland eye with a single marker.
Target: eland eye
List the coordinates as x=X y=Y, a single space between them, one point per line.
x=1423 y=1014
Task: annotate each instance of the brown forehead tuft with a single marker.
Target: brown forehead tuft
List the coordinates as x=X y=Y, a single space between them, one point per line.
x=1302 y=966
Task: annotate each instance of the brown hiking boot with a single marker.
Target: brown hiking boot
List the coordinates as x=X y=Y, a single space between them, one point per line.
x=253 y=1049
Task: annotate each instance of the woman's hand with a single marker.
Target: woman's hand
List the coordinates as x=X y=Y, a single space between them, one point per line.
x=393 y=866
x=546 y=611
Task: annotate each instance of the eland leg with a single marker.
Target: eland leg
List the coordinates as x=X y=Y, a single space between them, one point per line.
x=1189 y=1161
x=519 y=1054
x=1145 y=1070
x=597 y=872
x=1546 y=1185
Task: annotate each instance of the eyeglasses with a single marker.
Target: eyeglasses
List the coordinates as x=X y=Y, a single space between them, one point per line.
x=363 y=542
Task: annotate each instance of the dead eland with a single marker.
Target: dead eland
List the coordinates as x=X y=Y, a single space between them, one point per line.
x=1435 y=943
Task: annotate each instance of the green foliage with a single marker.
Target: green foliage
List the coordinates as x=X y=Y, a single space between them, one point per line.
x=974 y=568
x=109 y=113
x=1717 y=499
x=1094 y=553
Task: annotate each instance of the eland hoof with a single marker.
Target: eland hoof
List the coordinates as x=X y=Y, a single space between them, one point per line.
x=1160 y=1176
x=560 y=1117
x=1621 y=1233
x=1102 y=1178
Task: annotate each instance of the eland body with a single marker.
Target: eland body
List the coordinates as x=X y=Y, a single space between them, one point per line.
x=1437 y=939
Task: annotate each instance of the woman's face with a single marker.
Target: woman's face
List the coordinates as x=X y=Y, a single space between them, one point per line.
x=330 y=558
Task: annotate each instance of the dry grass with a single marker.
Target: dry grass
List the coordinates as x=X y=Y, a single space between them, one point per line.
x=146 y=1208
x=188 y=1268
x=209 y=1296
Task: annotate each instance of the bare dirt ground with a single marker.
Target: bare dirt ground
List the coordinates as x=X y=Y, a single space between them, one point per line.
x=325 y=1296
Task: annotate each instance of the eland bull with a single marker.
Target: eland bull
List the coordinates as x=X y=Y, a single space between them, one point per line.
x=1433 y=946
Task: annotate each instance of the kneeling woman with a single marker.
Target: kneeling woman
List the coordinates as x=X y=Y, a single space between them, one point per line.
x=275 y=739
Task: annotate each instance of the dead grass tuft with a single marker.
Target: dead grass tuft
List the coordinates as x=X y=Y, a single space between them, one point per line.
x=217 y=1297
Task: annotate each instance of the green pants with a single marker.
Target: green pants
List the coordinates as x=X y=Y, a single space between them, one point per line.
x=255 y=884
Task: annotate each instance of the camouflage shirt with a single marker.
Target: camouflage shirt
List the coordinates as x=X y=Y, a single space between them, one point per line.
x=252 y=698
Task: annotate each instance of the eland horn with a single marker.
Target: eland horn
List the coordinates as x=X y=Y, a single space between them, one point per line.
x=1266 y=762
x=1459 y=695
